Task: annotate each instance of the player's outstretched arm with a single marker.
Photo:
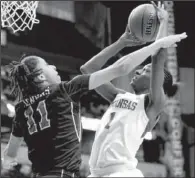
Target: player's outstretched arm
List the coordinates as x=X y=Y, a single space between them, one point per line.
x=98 y=61
x=108 y=90
x=124 y=65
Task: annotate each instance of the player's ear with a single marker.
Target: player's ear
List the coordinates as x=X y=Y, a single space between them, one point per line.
x=40 y=78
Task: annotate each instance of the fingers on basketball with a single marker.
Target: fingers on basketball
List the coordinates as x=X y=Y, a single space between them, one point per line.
x=163 y=6
x=154 y=4
x=159 y=6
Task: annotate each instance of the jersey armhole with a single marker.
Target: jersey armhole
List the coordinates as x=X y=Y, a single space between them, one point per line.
x=147 y=102
x=64 y=92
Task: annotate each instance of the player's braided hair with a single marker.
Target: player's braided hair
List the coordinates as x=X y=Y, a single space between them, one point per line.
x=170 y=89
x=22 y=76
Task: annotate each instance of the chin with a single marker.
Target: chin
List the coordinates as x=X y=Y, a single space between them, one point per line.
x=59 y=79
x=132 y=84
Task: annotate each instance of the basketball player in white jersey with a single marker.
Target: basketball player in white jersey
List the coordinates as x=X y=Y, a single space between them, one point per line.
x=130 y=115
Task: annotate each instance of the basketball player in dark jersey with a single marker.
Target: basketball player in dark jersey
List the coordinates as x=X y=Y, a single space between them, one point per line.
x=48 y=114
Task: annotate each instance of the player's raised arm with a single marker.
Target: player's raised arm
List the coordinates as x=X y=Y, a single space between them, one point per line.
x=157 y=95
x=158 y=75
x=97 y=62
x=125 y=65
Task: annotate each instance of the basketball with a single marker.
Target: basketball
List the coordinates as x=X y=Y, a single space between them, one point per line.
x=143 y=22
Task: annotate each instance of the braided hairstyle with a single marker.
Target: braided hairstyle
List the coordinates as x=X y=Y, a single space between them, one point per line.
x=22 y=75
x=170 y=89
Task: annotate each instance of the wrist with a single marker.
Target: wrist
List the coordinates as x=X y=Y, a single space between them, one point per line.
x=164 y=21
x=155 y=46
x=121 y=43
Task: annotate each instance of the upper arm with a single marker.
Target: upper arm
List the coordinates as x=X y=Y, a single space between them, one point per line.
x=17 y=129
x=77 y=85
x=108 y=91
x=157 y=79
x=158 y=105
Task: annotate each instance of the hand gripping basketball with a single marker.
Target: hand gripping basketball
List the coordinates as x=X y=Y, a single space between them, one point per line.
x=128 y=39
x=170 y=41
x=161 y=12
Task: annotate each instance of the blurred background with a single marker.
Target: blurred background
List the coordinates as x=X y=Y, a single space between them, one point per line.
x=68 y=35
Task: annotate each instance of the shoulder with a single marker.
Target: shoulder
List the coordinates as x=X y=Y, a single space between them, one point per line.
x=19 y=112
x=152 y=109
x=19 y=106
x=158 y=106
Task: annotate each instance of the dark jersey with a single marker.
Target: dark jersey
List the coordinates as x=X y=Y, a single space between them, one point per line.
x=51 y=126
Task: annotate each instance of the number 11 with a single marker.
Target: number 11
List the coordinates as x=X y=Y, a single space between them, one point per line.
x=44 y=123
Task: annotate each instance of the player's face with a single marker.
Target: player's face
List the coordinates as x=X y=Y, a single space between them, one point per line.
x=141 y=79
x=49 y=72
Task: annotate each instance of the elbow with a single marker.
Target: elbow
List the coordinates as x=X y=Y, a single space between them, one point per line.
x=82 y=69
x=85 y=70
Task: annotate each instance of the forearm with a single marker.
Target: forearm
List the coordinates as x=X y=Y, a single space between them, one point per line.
x=158 y=62
x=132 y=60
x=157 y=76
x=163 y=29
x=101 y=58
x=13 y=146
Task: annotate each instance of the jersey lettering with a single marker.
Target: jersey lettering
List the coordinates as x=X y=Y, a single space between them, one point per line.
x=124 y=104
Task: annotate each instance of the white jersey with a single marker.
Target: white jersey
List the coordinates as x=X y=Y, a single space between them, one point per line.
x=119 y=134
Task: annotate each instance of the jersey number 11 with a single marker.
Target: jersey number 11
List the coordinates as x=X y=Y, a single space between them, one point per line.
x=43 y=124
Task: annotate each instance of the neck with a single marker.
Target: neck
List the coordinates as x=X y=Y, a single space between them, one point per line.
x=133 y=90
x=142 y=92
x=43 y=86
